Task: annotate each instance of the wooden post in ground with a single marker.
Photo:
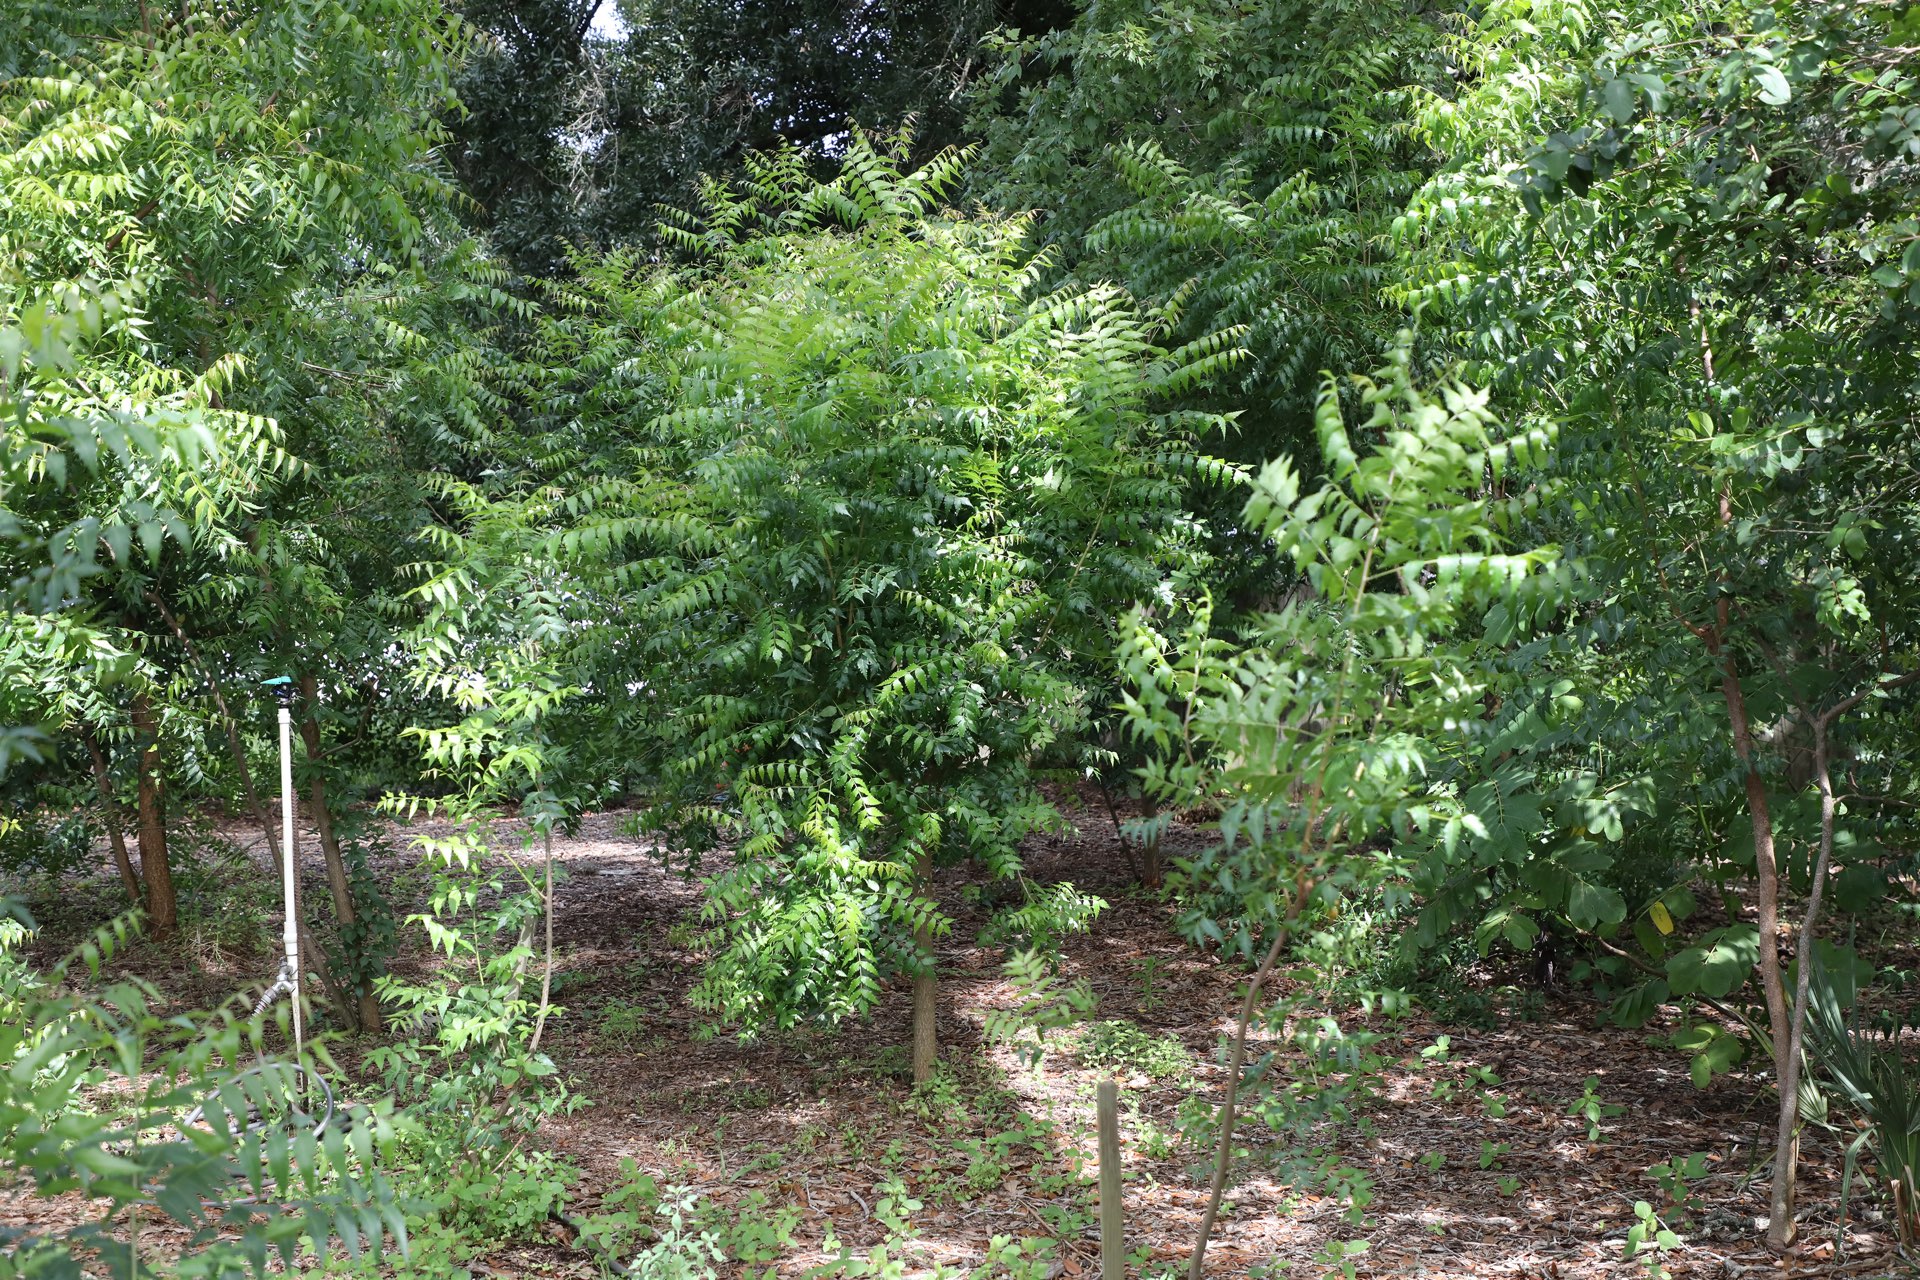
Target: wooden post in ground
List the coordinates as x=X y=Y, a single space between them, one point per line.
x=1113 y=1244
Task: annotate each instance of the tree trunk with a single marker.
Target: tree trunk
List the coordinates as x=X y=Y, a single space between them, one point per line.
x=1808 y=939
x=1152 y=875
x=337 y=883
x=1767 y=903
x=926 y=990
x=1236 y=1062
x=111 y=815
x=163 y=912
x=926 y=1034
x=1126 y=845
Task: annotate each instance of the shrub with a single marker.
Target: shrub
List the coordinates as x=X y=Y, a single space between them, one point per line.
x=95 y=1100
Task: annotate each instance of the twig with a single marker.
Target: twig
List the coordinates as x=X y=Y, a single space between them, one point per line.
x=1072 y=1245
x=138 y=215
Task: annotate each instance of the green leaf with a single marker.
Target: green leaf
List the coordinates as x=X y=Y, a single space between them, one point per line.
x=1716 y=965
x=1617 y=94
x=1843 y=968
x=1859 y=888
x=1592 y=906
x=1773 y=85
x=1636 y=1007
x=1714 y=1050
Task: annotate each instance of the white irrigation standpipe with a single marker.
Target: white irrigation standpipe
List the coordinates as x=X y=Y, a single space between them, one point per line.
x=290 y=931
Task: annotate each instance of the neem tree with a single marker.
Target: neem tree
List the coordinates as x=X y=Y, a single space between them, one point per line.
x=233 y=205
x=1688 y=236
x=1315 y=731
x=880 y=510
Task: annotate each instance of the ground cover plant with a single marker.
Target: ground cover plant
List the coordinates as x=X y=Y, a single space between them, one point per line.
x=1336 y=573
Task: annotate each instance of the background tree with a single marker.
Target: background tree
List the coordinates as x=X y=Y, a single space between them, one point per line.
x=572 y=137
x=1693 y=245
x=1242 y=162
x=259 y=207
x=1302 y=734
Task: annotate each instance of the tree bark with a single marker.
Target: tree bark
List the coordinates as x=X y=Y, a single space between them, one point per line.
x=163 y=911
x=111 y=814
x=337 y=882
x=1767 y=904
x=1152 y=874
x=926 y=991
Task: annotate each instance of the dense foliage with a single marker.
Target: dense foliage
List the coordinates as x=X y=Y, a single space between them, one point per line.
x=846 y=499
x=871 y=509
x=1318 y=731
x=1696 y=255
x=1245 y=159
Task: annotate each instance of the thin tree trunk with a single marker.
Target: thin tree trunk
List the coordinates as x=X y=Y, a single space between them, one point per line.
x=1229 y=1112
x=926 y=991
x=111 y=815
x=1126 y=845
x=1152 y=874
x=926 y=1033
x=546 y=973
x=1786 y=1151
x=1780 y=1201
x=163 y=911
x=1805 y=942
x=1808 y=940
x=1236 y=1062
x=337 y=882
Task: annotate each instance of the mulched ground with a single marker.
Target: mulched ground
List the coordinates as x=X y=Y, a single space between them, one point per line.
x=818 y=1121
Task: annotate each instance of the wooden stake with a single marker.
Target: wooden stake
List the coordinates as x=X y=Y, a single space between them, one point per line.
x=1113 y=1242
